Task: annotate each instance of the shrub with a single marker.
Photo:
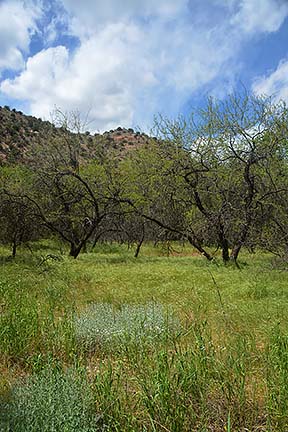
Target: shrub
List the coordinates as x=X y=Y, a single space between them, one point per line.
x=103 y=324
x=51 y=401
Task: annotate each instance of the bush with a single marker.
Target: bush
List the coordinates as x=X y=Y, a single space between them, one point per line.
x=51 y=401
x=102 y=324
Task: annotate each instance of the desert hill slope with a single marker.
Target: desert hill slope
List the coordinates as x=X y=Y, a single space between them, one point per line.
x=20 y=133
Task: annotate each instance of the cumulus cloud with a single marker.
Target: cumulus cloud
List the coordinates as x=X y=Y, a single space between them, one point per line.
x=17 y=24
x=90 y=80
x=121 y=74
x=40 y=75
x=137 y=57
x=255 y=16
x=275 y=84
x=89 y=15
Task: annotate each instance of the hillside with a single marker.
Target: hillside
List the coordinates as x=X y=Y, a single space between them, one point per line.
x=20 y=133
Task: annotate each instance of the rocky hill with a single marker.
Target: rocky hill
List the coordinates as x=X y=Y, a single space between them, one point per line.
x=20 y=133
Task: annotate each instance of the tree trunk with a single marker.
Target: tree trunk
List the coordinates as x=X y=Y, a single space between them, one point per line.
x=241 y=240
x=14 y=248
x=235 y=252
x=96 y=240
x=199 y=248
x=223 y=243
x=225 y=251
x=193 y=242
x=84 y=250
x=140 y=242
x=75 y=250
x=138 y=248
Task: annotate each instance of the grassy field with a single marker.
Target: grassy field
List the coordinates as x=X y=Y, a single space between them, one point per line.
x=171 y=343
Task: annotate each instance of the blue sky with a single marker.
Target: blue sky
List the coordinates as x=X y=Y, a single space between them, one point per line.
x=122 y=62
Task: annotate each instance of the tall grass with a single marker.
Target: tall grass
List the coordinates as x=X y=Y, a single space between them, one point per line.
x=90 y=344
x=30 y=326
x=277 y=379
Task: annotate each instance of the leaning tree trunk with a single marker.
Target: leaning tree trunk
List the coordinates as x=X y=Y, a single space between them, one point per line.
x=199 y=248
x=235 y=252
x=96 y=238
x=75 y=249
x=140 y=243
x=241 y=241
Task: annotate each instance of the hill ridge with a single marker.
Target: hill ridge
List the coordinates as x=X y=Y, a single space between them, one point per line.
x=20 y=132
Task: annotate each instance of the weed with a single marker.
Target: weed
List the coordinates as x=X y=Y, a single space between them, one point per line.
x=104 y=325
x=51 y=401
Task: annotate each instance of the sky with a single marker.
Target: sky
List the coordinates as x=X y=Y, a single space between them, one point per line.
x=121 y=62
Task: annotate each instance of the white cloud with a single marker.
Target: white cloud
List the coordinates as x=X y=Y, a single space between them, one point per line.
x=38 y=79
x=17 y=23
x=88 y=80
x=89 y=15
x=121 y=73
x=255 y=16
x=138 y=57
x=275 y=84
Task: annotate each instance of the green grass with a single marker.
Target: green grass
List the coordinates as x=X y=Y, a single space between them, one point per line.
x=224 y=369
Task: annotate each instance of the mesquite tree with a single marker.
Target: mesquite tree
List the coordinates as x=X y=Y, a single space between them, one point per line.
x=211 y=177
x=17 y=219
x=72 y=196
x=230 y=166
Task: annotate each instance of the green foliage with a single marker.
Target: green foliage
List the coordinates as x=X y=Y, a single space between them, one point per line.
x=215 y=178
x=53 y=400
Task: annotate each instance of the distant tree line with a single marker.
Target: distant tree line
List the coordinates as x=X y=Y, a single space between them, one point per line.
x=217 y=178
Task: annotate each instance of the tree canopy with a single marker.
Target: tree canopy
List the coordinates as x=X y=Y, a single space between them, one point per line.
x=216 y=178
